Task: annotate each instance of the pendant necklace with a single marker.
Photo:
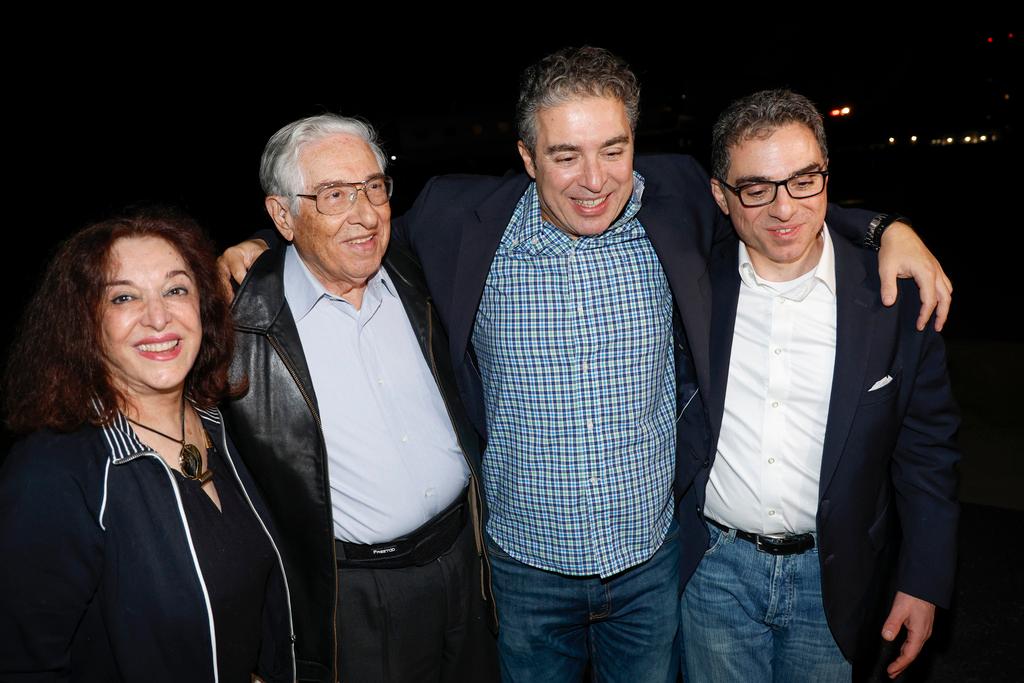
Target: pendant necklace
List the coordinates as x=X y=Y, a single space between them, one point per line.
x=189 y=459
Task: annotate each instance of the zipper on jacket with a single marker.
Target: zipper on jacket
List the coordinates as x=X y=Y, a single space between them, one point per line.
x=295 y=378
x=280 y=561
x=192 y=550
x=478 y=530
x=334 y=553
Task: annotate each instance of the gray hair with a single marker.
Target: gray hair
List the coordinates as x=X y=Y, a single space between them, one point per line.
x=758 y=116
x=280 y=173
x=570 y=74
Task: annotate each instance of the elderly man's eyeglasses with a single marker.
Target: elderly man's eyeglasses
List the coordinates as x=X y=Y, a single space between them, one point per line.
x=338 y=198
x=800 y=186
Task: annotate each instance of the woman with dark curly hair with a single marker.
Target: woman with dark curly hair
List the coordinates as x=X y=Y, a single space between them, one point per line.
x=134 y=545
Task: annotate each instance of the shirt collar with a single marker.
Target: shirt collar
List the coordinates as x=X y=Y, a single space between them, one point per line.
x=798 y=289
x=303 y=291
x=530 y=233
x=124 y=443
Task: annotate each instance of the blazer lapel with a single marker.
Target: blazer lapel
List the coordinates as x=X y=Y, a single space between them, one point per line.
x=672 y=234
x=481 y=233
x=856 y=302
x=725 y=279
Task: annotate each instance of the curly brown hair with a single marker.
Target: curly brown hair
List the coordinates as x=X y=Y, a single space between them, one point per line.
x=56 y=367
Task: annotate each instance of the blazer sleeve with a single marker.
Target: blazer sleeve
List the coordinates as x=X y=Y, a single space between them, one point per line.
x=850 y=223
x=924 y=470
x=406 y=229
x=52 y=549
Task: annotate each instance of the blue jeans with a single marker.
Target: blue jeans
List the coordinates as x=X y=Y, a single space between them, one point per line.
x=550 y=625
x=750 y=616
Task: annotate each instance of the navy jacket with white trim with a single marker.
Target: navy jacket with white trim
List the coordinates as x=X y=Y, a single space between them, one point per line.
x=98 y=580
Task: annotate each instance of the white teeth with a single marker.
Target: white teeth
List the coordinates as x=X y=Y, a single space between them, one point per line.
x=589 y=203
x=157 y=348
x=784 y=231
x=361 y=241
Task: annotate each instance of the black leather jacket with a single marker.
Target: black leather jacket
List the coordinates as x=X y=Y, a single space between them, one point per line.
x=277 y=428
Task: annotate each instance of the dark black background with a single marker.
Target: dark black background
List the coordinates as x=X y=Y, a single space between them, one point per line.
x=182 y=117
x=179 y=111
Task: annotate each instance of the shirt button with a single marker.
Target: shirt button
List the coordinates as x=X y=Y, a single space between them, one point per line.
x=579 y=309
x=535 y=241
x=771 y=513
x=778 y=352
x=781 y=300
x=771 y=461
x=405 y=438
x=380 y=380
x=594 y=480
x=429 y=493
x=775 y=404
x=590 y=424
x=584 y=366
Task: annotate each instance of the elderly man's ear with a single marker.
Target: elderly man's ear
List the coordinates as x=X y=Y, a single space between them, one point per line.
x=278 y=209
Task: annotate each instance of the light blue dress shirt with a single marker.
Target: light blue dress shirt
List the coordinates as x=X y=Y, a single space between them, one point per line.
x=393 y=459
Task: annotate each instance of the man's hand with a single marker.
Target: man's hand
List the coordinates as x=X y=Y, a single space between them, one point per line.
x=236 y=261
x=917 y=615
x=903 y=254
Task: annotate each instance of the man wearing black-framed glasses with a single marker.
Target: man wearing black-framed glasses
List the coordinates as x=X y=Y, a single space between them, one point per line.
x=831 y=419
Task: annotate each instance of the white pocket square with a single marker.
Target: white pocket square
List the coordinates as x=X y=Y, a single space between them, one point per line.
x=880 y=383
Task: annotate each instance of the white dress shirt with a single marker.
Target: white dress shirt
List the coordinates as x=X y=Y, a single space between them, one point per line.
x=768 y=464
x=393 y=459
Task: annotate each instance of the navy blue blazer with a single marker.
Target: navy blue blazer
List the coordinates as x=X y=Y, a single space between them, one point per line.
x=889 y=455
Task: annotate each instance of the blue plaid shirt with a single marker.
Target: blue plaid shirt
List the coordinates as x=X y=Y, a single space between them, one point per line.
x=574 y=343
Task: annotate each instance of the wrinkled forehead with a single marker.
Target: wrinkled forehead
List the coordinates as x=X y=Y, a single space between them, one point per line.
x=337 y=158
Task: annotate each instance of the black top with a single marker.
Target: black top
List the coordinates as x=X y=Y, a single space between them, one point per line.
x=236 y=559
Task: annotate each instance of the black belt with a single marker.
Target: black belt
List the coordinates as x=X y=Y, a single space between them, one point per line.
x=792 y=544
x=422 y=546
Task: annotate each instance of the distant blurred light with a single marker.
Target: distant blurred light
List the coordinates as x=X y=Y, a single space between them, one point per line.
x=990 y=40
x=913 y=138
x=892 y=140
x=950 y=140
x=845 y=111
x=836 y=112
x=394 y=158
x=967 y=138
x=1010 y=36
x=983 y=138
